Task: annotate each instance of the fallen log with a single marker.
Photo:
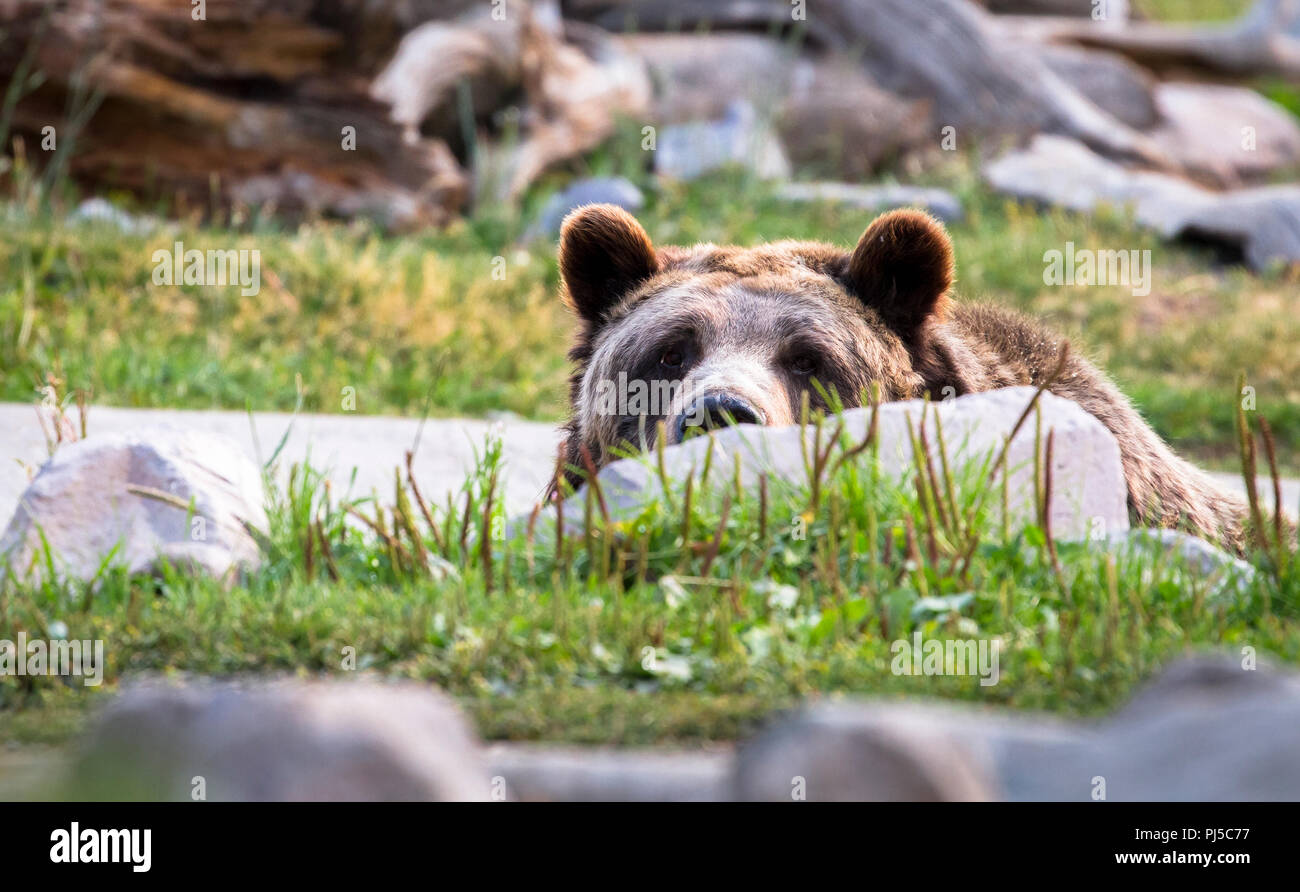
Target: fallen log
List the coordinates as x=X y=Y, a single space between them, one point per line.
x=826 y=110
x=333 y=107
x=950 y=51
x=571 y=83
x=1265 y=41
x=258 y=102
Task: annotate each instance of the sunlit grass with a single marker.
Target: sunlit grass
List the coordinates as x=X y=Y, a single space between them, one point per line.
x=691 y=618
x=1192 y=10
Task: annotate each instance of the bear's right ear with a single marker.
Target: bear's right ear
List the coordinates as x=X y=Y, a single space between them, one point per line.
x=604 y=254
x=903 y=268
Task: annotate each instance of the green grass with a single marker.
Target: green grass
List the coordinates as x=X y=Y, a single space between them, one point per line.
x=420 y=323
x=690 y=621
x=1192 y=10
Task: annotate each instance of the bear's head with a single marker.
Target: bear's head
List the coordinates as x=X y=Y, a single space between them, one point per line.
x=707 y=335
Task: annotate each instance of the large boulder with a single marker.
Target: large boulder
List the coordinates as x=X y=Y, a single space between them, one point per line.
x=1207 y=728
x=1114 y=83
x=157 y=496
x=281 y=741
x=839 y=753
x=1225 y=136
x=1089 y=490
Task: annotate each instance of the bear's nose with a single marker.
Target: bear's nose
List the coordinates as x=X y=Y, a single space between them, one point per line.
x=712 y=412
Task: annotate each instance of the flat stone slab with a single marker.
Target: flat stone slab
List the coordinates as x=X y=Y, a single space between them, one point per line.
x=1264 y=486
x=374 y=445
x=540 y=773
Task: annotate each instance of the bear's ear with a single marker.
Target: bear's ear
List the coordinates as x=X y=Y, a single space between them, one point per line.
x=903 y=268
x=604 y=253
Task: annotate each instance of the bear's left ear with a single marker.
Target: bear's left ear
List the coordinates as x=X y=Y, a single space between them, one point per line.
x=903 y=268
x=604 y=254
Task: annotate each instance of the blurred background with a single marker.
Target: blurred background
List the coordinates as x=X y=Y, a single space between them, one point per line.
x=401 y=167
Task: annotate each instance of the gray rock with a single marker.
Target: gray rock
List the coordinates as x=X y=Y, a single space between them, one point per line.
x=600 y=190
x=1225 y=135
x=1207 y=728
x=1117 y=85
x=1263 y=223
x=1225 y=573
x=147 y=497
x=98 y=210
x=939 y=202
x=1233 y=482
x=839 y=753
x=1090 y=493
x=688 y=151
x=281 y=741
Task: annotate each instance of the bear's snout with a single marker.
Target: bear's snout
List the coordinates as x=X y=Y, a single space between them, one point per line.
x=716 y=411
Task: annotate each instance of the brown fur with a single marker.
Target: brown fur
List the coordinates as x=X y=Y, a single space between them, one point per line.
x=750 y=321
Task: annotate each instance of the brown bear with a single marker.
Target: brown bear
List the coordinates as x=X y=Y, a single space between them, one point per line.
x=744 y=332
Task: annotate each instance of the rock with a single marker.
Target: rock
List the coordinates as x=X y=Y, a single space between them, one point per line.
x=847 y=754
x=576 y=774
x=829 y=114
x=599 y=190
x=939 y=202
x=1224 y=136
x=155 y=494
x=1262 y=223
x=1290 y=489
x=281 y=741
x=688 y=151
x=1090 y=493
x=1119 y=86
x=1206 y=728
x=1202 y=680
x=98 y=210
x=1227 y=574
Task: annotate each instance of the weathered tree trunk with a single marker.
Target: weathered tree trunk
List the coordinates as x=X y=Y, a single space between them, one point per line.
x=950 y=51
x=260 y=102
x=1265 y=41
x=283 y=103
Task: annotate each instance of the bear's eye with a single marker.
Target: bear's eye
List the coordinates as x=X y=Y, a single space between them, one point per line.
x=672 y=358
x=803 y=364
